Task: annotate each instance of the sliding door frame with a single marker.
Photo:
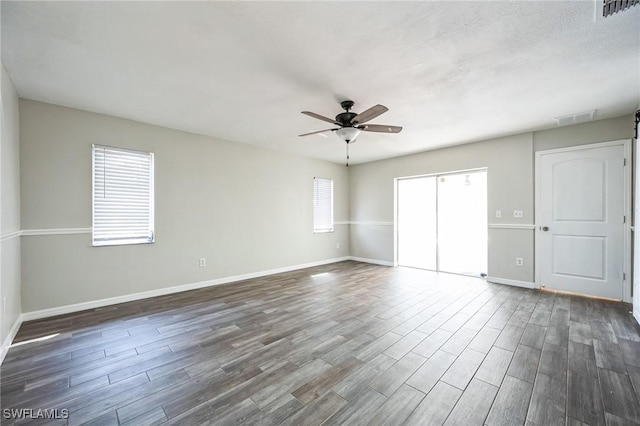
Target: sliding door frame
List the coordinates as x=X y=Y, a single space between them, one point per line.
x=396 y=205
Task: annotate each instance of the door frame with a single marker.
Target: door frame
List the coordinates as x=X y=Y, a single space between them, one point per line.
x=626 y=269
x=635 y=299
x=424 y=175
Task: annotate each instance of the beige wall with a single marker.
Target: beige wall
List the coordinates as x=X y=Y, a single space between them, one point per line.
x=245 y=209
x=509 y=185
x=592 y=132
x=9 y=210
x=510 y=164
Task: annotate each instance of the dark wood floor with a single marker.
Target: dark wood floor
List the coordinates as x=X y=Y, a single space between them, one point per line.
x=347 y=343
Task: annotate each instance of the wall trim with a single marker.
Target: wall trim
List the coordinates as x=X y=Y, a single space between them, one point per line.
x=76 y=307
x=10 y=235
x=9 y=340
x=516 y=283
x=374 y=261
x=72 y=231
x=55 y=231
x=511 y=226
x=370 y=223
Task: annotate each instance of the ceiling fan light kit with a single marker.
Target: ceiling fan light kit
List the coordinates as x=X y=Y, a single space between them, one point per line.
x=348 y=134
x=351 y=123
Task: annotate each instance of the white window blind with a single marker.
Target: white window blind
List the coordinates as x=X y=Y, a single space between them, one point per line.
x=122 y=196
x=322 y=205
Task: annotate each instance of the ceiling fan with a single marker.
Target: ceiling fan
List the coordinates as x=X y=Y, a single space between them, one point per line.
x=351 y=124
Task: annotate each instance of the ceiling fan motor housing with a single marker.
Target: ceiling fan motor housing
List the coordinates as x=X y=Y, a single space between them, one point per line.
x=345 y=118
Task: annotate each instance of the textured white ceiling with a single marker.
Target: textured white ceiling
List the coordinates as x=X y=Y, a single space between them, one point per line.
x=450 y=72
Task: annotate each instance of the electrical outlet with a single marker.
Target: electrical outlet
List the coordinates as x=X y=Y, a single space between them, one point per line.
x=498 y=214
x=337 y=245
x=519 y=261
x=517 y=213
x=203 y=262
x=4 y=304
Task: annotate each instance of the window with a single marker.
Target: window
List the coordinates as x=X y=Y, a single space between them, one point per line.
x=122 y=196
x=322 y=205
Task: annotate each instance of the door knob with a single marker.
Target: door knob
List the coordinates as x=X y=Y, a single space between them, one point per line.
x=545 y=228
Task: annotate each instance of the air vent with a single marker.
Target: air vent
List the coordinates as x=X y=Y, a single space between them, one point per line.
x=579 y=117
x=609 y=7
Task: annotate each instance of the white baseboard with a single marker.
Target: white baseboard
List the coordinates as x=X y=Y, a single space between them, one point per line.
x=7 y=342
x=636 y=315
x=374 y=261
x=61 y=310
x=516 y=283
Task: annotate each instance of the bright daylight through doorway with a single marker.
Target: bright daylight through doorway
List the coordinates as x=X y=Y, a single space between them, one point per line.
x=442 y=222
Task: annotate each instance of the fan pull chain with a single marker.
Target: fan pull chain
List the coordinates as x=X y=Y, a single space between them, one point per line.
x=347 y=154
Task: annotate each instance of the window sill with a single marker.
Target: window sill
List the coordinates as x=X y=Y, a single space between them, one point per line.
x=120 y=243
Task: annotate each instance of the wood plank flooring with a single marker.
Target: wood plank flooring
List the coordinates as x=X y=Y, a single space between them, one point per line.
x=347 y=343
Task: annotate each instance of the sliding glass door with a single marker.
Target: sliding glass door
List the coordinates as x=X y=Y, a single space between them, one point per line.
x=462 y=223
x=442 y=222
x=417 y=223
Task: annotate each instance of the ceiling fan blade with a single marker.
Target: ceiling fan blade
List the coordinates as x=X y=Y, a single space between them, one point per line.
x=381 y=128
x=320 y=117
x=319 y=131
x=369 y=114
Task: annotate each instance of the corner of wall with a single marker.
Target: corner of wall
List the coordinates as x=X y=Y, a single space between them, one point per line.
x=10 y=244
x=6 y=344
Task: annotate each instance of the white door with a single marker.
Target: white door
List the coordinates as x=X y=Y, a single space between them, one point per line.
x=636 y=243
x=581 y=223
